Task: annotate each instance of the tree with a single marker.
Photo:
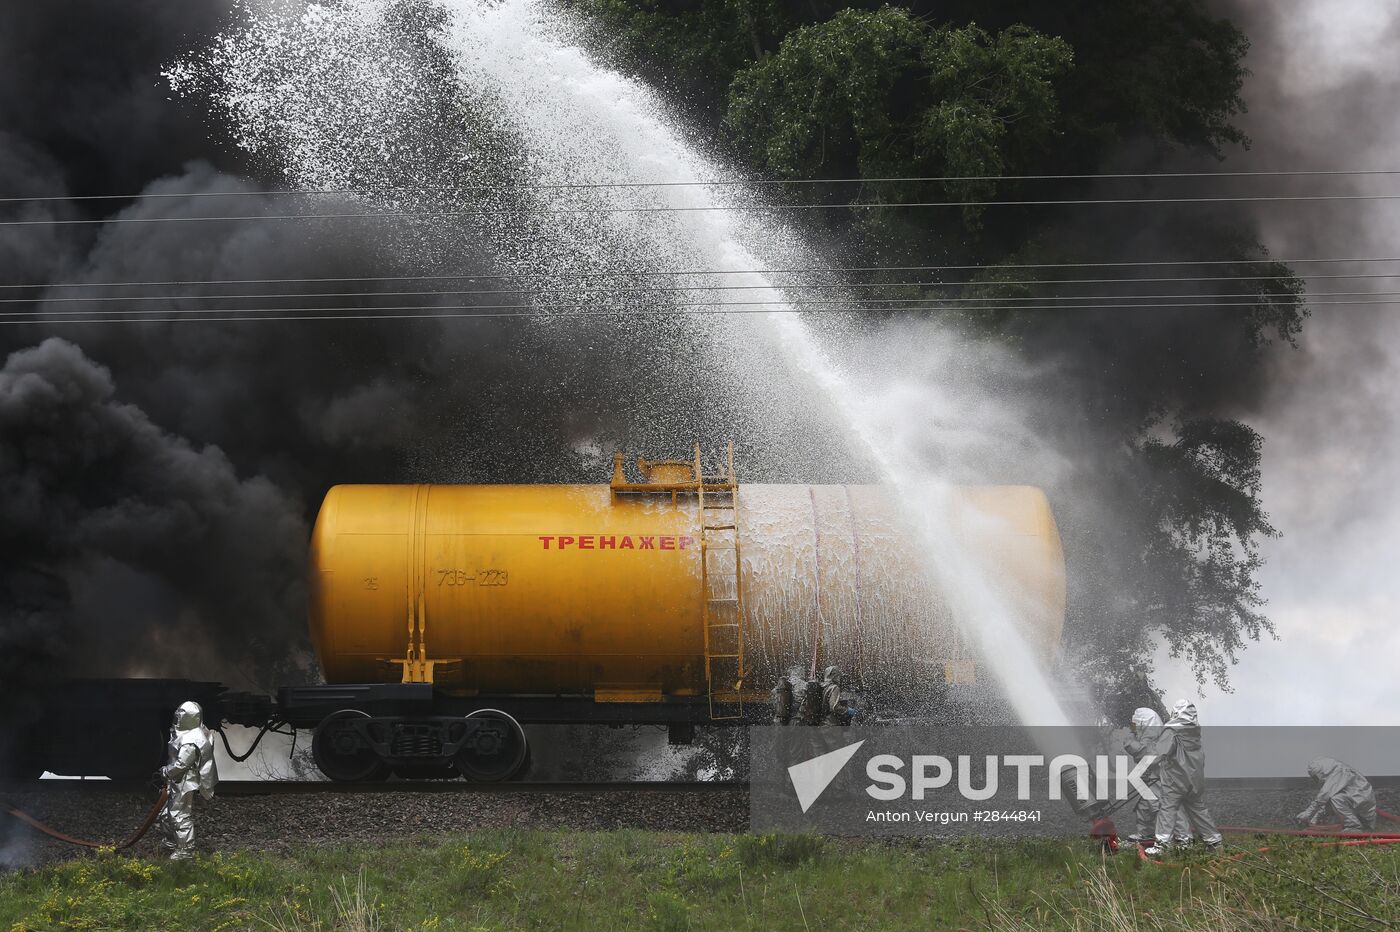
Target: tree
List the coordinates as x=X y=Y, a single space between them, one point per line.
x=1176 y=556
x=693 y=49
x=882 y=93
x=1202 y=542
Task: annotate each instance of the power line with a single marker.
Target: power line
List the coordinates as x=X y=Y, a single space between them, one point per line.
x=1254 y=296
x=534 y=317
x=573 y=211
x=714 y=182
x=829 y=270
x=864 y=304
x=700 y=308
x=670 y=289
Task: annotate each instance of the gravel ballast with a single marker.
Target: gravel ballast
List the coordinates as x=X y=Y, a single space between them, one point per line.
x=277 y=821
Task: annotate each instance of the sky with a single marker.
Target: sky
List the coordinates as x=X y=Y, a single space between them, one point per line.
x=1331 y=421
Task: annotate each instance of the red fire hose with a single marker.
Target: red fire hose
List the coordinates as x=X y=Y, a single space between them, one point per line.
x=1390 y=840
x=1349 y=839
x=1318 y=831
x=34 y=823
x=1303 y=832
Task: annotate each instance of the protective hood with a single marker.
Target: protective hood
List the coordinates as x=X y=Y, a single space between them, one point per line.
x=1183 y=755
x=1183 y=715
x=1320 y=768
x=187 y=729
x=831 y=675
x=188 y=717
x=1337 y=778
x=1143 y=719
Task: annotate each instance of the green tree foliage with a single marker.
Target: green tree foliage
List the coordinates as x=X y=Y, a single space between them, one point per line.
x=1191 y=547
x=1162 y=70
x=826 y=102
x=693 y=48
x=1207 y=519
x=883 y=93
x=995 y=100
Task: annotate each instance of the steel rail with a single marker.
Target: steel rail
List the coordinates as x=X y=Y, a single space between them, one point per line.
x=310 y=787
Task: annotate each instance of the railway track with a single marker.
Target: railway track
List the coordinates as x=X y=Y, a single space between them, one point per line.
x=428 y=787
x=420 y=787
x=261 y=815
x=264 y=815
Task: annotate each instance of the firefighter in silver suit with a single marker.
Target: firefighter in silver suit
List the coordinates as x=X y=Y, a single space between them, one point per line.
x=1345 y=792
x=189 y=768
x=836 y=708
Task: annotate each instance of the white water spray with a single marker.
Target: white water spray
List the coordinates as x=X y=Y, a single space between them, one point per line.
x=323 y=87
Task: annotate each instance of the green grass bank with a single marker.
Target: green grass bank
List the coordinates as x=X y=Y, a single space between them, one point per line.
x=642 y=880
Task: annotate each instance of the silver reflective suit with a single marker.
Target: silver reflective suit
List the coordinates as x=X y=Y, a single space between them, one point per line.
x=1147 y=729
x=833 y=709
x=189 y=768
x=1345 y=792
x=1182 y=777
x=782 y=696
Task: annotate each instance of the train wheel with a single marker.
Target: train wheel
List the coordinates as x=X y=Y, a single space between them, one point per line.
x=342 y=754
x=496 y=750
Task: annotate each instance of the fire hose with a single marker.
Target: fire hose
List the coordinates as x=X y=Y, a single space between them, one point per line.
x=1355 y=841
x=21 y=816
x=1103 y=831
x=1347 y=839
x=140 y=833
x=1331 y=832
x=1319 y=831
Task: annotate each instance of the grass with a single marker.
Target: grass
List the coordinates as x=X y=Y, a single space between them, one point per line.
x=632 y=879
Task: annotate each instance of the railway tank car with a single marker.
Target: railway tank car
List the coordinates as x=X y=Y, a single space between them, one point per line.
x=446 y=615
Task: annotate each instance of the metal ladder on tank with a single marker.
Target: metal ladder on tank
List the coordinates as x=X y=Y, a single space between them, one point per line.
x=722 y=590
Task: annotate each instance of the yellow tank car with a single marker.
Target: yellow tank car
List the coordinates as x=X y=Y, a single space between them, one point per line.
x=444 y=616
x=598 y=589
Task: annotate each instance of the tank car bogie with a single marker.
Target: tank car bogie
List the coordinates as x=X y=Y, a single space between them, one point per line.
x=487 y=745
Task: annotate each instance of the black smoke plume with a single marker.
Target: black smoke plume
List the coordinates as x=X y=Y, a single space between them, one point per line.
x=122 y=540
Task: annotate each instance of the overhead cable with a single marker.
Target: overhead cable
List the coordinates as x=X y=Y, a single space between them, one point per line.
x=743 y=307
x=573 y=211
x=526 y=293
x=708 y=183
x=831 y=270
x=666 y=289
